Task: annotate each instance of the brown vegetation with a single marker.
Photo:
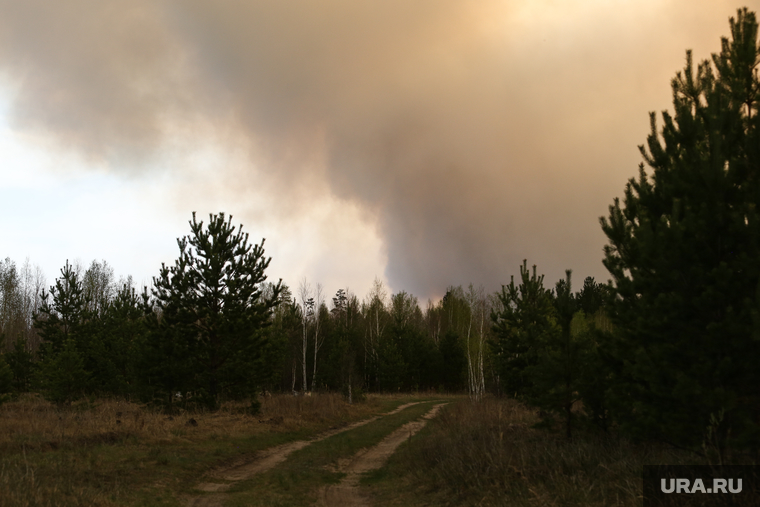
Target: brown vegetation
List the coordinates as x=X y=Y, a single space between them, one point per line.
x=488 y=453
x=34 y=424
x=111 y=452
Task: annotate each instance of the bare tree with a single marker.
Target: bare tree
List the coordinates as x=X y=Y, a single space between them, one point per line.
x=33 y=281
x=433 y=320
x=307 y=307
x=12 y=320
x=478 y=303
x=99 y=284
x=375 y=310
x=318 y=302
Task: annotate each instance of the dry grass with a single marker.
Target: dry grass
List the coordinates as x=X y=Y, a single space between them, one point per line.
x=34 y=424
x=317 y=408
x=112 y=452
x=487 y=453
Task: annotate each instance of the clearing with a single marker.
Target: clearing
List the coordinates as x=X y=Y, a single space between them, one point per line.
x=116 y=453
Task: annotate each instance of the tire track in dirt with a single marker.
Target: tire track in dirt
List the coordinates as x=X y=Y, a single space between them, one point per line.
x=346 y=493
x=264 y=460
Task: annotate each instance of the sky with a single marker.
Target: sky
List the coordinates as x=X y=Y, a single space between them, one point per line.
x=427 y=144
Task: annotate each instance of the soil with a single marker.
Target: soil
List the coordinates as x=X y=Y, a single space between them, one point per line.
x=347 y=493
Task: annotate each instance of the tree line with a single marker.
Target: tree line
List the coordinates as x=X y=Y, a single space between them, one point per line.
x=189 y=341
x=212 y=328
x=667 y=349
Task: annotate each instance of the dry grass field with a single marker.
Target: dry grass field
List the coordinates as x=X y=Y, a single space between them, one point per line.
x=112 y=452
x=489 y=454
x=35 y=424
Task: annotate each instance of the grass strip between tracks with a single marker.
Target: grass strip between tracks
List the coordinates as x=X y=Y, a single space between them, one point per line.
x=298 y=479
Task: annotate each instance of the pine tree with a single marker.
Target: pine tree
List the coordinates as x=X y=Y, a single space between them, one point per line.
x=284 y=320
x=391 y=365
x=454 y=362
x=61 y=319
x=6 y=380
x=684 y=254
x=523 y=326
x=455 y=324
x=212 y=311
x=62 y=377
x=341 y=367
x=562 y=359
x=21 y=363
x=115 y=341
x=592 y=296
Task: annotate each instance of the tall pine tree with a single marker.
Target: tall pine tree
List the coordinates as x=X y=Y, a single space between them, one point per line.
x=62 y=318
x=684 y=253
x=523 y=326
x=212 y=312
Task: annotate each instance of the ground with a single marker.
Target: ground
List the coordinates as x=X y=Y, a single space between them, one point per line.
x=297 y=451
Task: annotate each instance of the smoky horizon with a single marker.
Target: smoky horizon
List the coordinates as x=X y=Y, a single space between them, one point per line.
x=431 y=144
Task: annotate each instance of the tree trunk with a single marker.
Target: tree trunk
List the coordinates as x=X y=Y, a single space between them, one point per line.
x=316 y=349
x=305 y=344
x=317 y=345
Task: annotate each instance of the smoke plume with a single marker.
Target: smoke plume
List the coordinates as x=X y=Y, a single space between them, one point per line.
x=471 y=134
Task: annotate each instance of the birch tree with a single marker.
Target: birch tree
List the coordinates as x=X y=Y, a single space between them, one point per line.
x=12 y=319
x=476 y=339
x=307 y=313
x=318 y=303
x=99 y=286
x=375 y=314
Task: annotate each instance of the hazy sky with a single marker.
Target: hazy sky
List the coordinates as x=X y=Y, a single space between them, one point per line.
x=426 y=142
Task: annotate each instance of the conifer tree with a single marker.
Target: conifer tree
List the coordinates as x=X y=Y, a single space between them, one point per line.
x=591 y=297
x=21 y=363
x=212 y=311
x=391 y=365
x=6 y=380
x=62 y=377
x=523 y=325
x=116 y=340
x=562 y=358
x=6 y=375
x=283 y=321
x=454 y=362
x=684 y=254
x=64 y=317
x=342 y=367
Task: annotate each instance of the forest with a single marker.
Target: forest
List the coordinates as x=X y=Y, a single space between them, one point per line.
x=666 y=350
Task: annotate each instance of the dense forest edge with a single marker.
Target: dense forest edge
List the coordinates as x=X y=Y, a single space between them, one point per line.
x=665 y=353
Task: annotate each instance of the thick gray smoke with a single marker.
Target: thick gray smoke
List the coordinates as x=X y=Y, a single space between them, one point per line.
x=477 y=133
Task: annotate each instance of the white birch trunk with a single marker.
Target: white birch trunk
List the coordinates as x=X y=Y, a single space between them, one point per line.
x=470 y=378
x=305 y=292
x=477 y=301
x=305 y=345
x=317 y=344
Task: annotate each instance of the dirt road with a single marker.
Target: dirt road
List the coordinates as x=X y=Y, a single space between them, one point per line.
x=346 y=494
x=220 y=480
